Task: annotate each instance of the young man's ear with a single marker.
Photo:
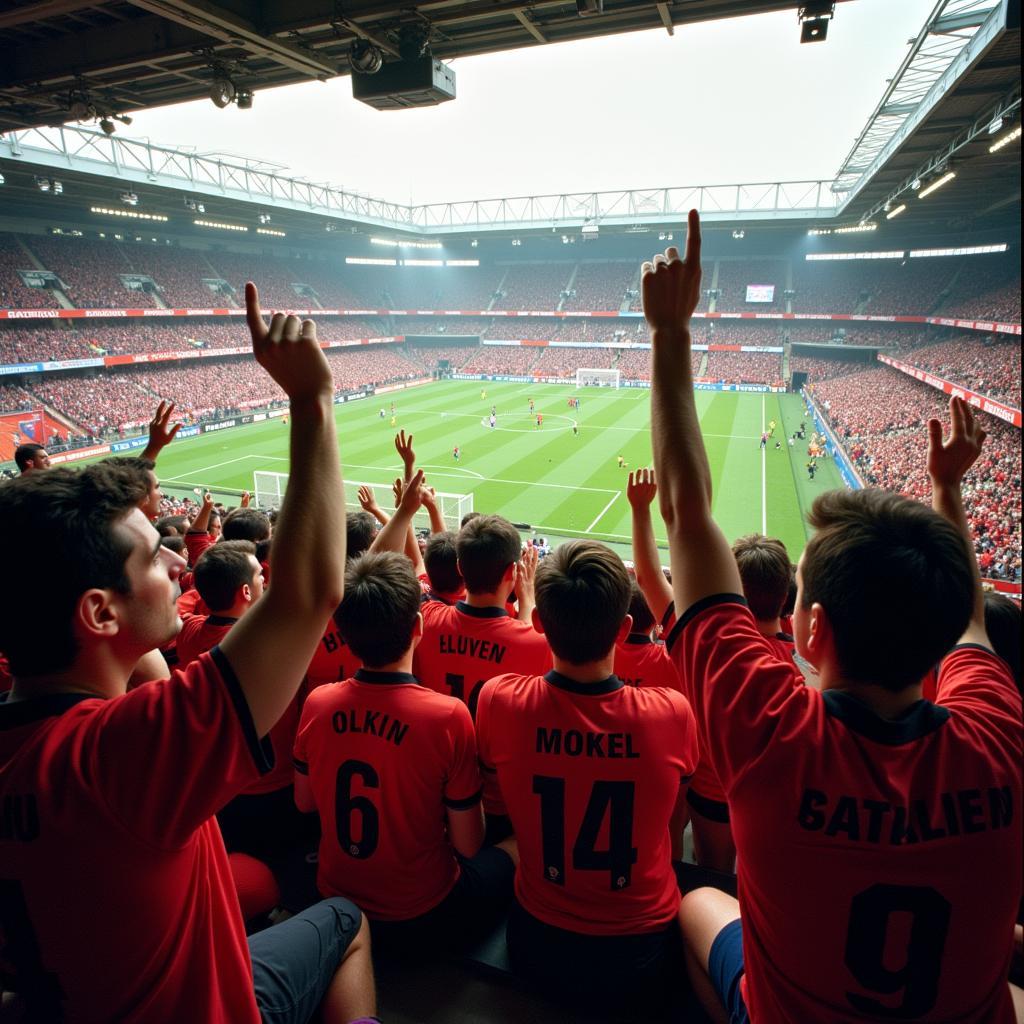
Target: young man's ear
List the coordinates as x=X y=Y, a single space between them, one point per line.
x=535 y=620
x=417 y=629
x=96 y=615
x=820 y=636
x=625 y=629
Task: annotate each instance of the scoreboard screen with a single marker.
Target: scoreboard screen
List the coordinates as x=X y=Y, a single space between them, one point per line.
x=760 y=293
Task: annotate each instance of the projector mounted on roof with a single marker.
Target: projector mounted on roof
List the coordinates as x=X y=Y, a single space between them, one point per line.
x=422 y=82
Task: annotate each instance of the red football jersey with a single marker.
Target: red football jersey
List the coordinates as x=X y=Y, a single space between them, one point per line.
x=202 y=633
x=879 y=860
x=196 y=542
x=384 y=757
x=190 y=603
x=118 y=901
x=333 y=660
x=639 y=661
x=591 y=774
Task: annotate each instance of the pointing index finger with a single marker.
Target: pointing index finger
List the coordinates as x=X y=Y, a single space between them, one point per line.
x=693 y=237
x=253 y=315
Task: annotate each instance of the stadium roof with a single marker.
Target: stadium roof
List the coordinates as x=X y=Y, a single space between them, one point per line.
x=59 y=58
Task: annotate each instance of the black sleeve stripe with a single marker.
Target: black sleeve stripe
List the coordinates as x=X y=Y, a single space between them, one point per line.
x=713 y=810
x=973 y=647
x=262 y=750
x=696 y=608
x=465 y=803
x=302 y=767
x=669 y=612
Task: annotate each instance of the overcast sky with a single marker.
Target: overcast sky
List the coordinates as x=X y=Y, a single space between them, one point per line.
x=731 y=101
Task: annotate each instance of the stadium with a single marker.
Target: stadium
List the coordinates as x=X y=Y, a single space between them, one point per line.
x=509 y=348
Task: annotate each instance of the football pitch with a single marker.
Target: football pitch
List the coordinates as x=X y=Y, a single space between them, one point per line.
x=561 y=484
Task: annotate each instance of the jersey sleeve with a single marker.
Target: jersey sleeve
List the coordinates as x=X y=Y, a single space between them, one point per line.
x=689 y=746
x=739 y=690
x=462 y=788
x=168 y=755
x=483 y=726
x=976 y=683
x=196 y=542
x=300 y=752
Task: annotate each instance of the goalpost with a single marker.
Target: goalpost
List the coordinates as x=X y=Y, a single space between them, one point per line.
x=269 y=488
x=597 y=378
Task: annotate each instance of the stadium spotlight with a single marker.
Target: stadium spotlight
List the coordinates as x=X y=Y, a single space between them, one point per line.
x=264 y=218
x=1004 y=140
x=996 y=126
x=895 y=211
x=915 y=184
x=43 y=184
x=814 y=17
x=474 y=244
x=3 y=180
x=123 y=118
x=243 y=99
x=936 y=184
x=739 y=233
x=129 y=199
x=365 y=57
x=58 y=188
x=108 y=126
x=222 y=91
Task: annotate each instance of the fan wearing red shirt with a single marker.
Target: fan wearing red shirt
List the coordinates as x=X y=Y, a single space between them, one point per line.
x=639 y=660
x=142 y=923
x=878 y=834
x=391 y=768
x=593 y=773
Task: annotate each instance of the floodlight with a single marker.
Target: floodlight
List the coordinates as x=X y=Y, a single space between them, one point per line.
x=108 y=126
x=473 y=244
x=738 y=233
x=936 y=184
x=814 y=17
x=1005 y=140
x=58 y=188
x=264 y=218
x=43 y=184
x=915 y=184
x=123 y=118
x=243 y=99
x=222 y=91
x=2 y=179
x=895 y=211
x=365 y=57
x=996 y=126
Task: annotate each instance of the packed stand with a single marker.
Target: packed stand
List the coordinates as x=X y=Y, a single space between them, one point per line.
x=429 y=356
x=987 y=288
x=744 y=367
x=456 y=326
x=987 y=366
x=14 y=293
x=818 y=369
x=532 y=286
x=101 y=404
x=880 y=415
x=600 y=286
x=91 y=271
x=502 y=359
x=372 y=364
x=728 y=332
x=179 y=275
x=563 y=362
x=836 y=287
x=27 y=343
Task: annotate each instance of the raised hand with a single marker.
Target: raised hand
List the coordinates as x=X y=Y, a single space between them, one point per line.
x=949 y=460
x=527 y=567
x=367 y=501
x=670 y=286
x=246 y=498
x=160 y=433
x=288 y=351
x=410 y=496
x=641 y=488
x=403 y=445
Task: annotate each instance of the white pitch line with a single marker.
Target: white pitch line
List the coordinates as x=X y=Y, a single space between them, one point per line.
x=764 y=477
x=453 y=471
x=206 y=469
x=600 y=515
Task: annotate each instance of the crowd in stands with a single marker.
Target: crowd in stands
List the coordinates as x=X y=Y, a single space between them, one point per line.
x=14 y=293
x=429 y=356
x=744 y=367
x=818 y=369
x=600 y=286
x=502 y=359
x=101 y=404
x=879 y=415
x=179 y=275
x=563 y=362
x=737 y=332
x=471 y=326
x=988 y=366
x=533 y=286
x=986 y=288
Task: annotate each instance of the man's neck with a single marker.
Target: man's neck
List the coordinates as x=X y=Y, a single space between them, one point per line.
x=98 y=673
x=769 y=627
x=403 y=665
x=496 y=599
x=591 y=672
x=888 y=704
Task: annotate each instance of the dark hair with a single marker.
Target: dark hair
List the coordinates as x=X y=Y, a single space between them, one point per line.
x=221 y=570
x=441 y=559
x=583 y=594
x=894 y=577
x=378 y=612
x=468 y=517
x=25 y=453
x=167 y=526
x=790 y=604
x=765 y=571
x=360 y=529
x=486 y=546
x=134 y=463
x=174 y=543
x=1002 y=623
x=66 y=526
x=643 y=617
x=246 y=524
x=263 y=550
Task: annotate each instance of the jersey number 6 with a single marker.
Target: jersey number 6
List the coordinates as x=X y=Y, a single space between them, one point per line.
x=346 y=805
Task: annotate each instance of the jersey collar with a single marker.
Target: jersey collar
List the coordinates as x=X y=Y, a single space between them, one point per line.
x=368 y=675
x=920 y=719
x=481 y=613
x=639 y=639
x=220 y=620
x=601 y=687
x=16 y=713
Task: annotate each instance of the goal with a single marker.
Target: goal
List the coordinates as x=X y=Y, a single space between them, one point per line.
x=597 y=378
x=269 y=488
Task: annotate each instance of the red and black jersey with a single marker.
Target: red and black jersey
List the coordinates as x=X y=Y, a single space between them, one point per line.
x=196 y=542
x=190 y=603
x=385 y=757
x=201 y=633
x=438 y=595
x=333 y=660
x=591 y=774
x=463 y=646
x=639 y=661
x=879 y=860
x=118 y=902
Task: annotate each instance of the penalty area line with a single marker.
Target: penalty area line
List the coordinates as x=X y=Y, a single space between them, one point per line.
x=600 y=515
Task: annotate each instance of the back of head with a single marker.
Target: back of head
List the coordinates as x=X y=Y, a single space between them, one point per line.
x=583 y=593
x=766 y=573
x=221 y=570
x=468 y=517
x=441 y=559
x=66 y=526
x=360 y=529
x=895 y=580
x=643 y=617
x=174 y=543
x=377 y=615
x=1002 y=623
x=487 y=546
x=25 y=454
x=246 y=524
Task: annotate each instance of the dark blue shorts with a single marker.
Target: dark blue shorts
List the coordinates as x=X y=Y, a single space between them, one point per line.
x=725 y=969
x=294 y=962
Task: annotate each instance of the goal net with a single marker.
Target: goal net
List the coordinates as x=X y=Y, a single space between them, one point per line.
x=269 y=488
x=597 y=378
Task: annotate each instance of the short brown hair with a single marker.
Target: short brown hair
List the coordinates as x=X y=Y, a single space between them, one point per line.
x=894 y=577
x=766 y=572
x=378 y=612
x=221 y=570
x=582 y=597
x=487 y=546
x=441 y=559
x=643 y=617
x=360 y=529
x=246 y=524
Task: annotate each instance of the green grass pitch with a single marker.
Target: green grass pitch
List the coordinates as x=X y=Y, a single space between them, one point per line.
x=561 y=484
